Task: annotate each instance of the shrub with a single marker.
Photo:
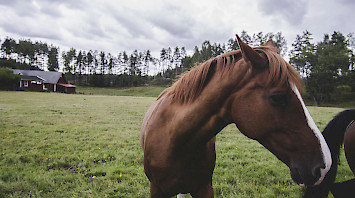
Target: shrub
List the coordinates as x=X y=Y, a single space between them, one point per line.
x=343 y=89
x=8 y=80
x=342 y=93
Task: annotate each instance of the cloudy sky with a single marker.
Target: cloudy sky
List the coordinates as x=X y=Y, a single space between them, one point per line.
x=125 y=25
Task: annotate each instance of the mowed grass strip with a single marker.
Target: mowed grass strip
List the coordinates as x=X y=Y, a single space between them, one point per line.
x=58 y=145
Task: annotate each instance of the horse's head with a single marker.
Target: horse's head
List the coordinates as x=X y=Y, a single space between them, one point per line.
x=270 y=109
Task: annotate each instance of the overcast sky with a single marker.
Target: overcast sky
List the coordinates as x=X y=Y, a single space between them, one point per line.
x=125 y=25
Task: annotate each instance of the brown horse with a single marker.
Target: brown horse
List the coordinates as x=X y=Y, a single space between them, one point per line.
x=340 y=129
x=252 y=87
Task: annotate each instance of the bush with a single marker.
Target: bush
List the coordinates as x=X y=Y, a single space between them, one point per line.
x=8 y=80
x=343 y=89
x=342 y=93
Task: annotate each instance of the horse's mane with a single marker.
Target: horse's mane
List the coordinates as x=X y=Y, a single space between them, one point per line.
x=191 y=84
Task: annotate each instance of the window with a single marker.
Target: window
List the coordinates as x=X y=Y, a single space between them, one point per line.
x=25 y=83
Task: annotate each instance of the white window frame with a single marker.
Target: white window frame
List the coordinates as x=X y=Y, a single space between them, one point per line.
x=25 y=83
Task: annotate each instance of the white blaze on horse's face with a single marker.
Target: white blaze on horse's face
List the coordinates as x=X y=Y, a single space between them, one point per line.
x=324 y=147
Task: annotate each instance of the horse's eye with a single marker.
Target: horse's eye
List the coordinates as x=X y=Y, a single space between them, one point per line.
x=279 y=99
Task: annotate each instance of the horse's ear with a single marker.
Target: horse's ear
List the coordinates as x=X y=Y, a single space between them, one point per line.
x=270 y=43
x=257 y=60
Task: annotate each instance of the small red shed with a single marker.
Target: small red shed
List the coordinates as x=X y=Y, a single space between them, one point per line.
x=37 y=80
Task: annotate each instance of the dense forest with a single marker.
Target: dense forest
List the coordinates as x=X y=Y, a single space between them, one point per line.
x=327 y=66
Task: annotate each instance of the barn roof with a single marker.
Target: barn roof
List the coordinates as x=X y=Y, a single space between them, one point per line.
x=48 y=76
x=35 y=78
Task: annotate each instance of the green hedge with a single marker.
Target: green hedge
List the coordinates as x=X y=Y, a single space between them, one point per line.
x=8 y=80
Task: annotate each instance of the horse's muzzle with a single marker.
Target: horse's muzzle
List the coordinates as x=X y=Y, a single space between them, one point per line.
x=308 y=177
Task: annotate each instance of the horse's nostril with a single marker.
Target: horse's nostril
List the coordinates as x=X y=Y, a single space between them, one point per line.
x=305 y=175
x=317 y=170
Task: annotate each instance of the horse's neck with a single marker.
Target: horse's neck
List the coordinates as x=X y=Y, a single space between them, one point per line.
x=194 y=124
x=208 y=114
x=201 y=119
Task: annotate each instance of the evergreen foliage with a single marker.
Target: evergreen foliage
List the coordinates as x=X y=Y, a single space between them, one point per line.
x=325 y=65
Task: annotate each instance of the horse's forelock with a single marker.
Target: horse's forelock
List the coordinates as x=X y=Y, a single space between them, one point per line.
x=280 y=71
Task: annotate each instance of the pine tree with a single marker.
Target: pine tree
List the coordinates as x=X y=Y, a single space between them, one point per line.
x=302 y=56
x=147 y=59
x=8 y=46
x=53 y=59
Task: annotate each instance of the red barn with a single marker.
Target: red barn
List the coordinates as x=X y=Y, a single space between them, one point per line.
x=37 y=80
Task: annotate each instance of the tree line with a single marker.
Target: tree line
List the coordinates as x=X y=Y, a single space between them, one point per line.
x=91 y=68
x=327 y=66
x=99 y=68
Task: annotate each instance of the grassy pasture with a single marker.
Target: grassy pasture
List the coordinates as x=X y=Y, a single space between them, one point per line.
x=151 y=91
x=58 y=145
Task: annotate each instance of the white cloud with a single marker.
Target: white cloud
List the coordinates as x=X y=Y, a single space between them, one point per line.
x=116 y=26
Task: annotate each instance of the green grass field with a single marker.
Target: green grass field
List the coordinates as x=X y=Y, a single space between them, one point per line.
x=151 y=91
x=59 y=145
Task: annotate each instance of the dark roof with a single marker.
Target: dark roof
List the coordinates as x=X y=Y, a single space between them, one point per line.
x=47 y=76
x=32 y=78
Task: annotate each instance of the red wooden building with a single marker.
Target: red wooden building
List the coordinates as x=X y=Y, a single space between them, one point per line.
x=37 y=80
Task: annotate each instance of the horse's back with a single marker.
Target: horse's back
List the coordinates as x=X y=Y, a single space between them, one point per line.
x=346 y=189
x=349 y=146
